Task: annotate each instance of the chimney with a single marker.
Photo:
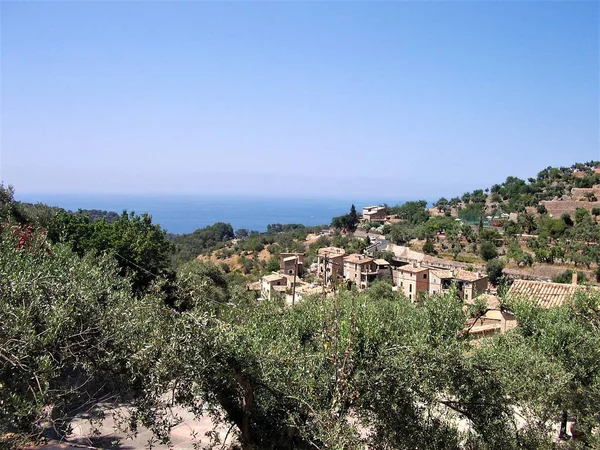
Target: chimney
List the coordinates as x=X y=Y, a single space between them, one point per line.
x=574 y=279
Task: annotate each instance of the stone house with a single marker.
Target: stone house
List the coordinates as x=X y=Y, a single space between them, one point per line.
x=360 y=269
x=383 y=268
x=469 y=284
x=289 y=263
x=330 y=263
x=412 y=280
x=374 y=213
x=270 y=284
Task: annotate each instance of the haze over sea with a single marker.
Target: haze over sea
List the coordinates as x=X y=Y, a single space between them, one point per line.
x=186 y=213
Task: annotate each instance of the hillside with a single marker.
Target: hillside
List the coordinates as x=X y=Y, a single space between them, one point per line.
x=556 y=190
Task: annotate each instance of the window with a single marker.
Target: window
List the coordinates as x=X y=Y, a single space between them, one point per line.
x=410 y=288
x=424 y=276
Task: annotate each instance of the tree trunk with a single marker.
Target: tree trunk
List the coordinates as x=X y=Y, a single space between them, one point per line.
x=563 y=426
x=245 y=426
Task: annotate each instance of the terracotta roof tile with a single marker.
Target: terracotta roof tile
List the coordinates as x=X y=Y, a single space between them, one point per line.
x=545 y=294
x=358 y=259
x=468 y=276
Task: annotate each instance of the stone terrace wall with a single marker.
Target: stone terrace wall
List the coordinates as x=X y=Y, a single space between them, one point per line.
x=577 y=193
x=558 y=207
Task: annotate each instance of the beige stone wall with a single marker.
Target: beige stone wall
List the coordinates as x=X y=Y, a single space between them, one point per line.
x=411 y=284
x=335 y=267
x=376 y=215
x=435 y=284
x=267 y=287
x=579 y=193
x=557 y=208
x=353 y=272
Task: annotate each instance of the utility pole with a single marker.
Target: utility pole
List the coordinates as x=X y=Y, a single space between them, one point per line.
x=325 y=264
x=294 y=286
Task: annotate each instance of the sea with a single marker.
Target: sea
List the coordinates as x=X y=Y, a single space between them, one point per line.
x=180 y=214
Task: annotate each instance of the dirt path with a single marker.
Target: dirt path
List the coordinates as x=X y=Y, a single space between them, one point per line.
x=190 y=433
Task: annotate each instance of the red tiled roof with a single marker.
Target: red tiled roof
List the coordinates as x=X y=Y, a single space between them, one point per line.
x=545 y=294
x=466 y=275
x=358 y=259
x=441 y=273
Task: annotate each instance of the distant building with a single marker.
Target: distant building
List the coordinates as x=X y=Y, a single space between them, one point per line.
x=360 y=269
x=270 y=284
x=374 y=213
x=468 y=284
x=291 y=263
x=330 y=263
x=412 y=280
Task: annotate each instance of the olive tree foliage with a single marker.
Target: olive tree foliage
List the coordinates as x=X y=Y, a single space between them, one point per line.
x=70 y=333
x=557 y=353
x=315 y=375
x=296 y=377
x=320 y=374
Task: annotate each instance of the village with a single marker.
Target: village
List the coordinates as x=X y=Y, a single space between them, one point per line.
x=418 y=275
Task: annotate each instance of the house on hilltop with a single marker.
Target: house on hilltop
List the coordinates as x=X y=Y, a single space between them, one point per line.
x=374 y=213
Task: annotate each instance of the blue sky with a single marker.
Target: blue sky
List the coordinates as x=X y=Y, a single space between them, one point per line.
x=409 y=99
